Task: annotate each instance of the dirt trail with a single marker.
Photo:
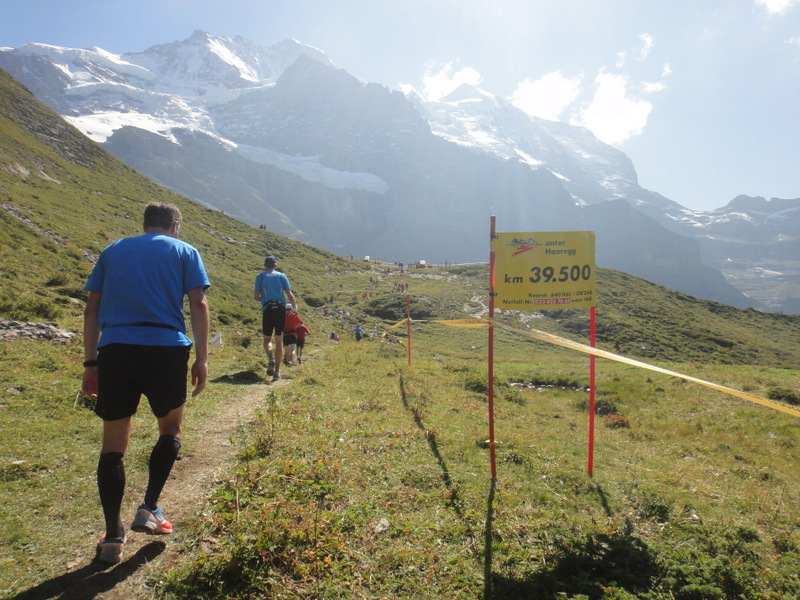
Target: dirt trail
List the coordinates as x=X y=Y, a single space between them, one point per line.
x=193 y=479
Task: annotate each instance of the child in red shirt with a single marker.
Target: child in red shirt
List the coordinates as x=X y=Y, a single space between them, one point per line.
x=290 y=334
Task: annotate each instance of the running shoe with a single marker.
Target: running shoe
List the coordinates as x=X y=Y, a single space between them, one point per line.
x=151 y=522
x=271 y=366
x=276 y=377
x=109 y=549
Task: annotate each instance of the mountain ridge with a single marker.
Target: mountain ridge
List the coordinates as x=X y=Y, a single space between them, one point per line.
x=318 y=155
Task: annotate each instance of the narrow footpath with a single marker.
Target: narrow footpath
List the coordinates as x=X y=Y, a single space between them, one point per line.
x=193 y=479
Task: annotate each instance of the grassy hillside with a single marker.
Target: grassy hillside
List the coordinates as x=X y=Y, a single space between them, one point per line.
x=366 y=477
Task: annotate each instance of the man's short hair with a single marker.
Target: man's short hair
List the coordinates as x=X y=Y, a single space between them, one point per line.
x=270 y=261
x=161 y=215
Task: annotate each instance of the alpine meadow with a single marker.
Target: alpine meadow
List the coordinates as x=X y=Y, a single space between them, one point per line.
x=365 y=473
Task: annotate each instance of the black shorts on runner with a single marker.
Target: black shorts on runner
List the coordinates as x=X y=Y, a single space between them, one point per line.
x=289 y=339
x=301 y=343
x=272 y=320
x=126 y=371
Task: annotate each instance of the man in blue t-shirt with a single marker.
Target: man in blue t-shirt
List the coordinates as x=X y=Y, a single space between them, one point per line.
x=135 y=343
x=270 y=288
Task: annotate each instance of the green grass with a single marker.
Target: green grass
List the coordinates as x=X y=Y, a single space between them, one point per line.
x=369 y=478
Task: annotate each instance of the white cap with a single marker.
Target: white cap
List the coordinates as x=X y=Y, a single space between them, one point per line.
x=289 y=306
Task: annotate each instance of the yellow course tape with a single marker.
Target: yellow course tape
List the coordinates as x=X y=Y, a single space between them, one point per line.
x=565 y=343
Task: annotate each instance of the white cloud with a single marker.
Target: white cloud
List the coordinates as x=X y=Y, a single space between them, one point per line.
x=777 y=7
x=440 y=84
x=615 y=113
x=612 y=115
x=546 y=97
x=641 y=53
x=612 y=106
x=650 y=87
x=647 y=45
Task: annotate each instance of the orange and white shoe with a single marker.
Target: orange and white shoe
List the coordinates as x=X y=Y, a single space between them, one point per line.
x=151 y=522
x=109 y=549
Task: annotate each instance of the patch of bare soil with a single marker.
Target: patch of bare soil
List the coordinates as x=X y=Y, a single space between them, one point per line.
x=191 y=483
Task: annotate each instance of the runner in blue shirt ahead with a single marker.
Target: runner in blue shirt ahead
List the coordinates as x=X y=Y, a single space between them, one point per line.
x=135 y=343
x=270 y=288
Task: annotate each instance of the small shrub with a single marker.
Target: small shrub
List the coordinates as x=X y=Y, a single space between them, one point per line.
x=783 y=543
x=74 y=292
x=714 y=564
x=784 y=395
x=514 y=395
x=20 y=471
x=315 y=301
x=616 y=422
x=477 y=382
x=456 y=368
x=513 y=458
x=28 y=308
x=653 y=506
x=388 y=308
x=48 y=364
x=57 y=280
x=84 y=401
x=604 y=407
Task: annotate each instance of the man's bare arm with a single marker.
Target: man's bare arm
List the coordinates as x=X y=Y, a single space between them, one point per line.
x=200 y=320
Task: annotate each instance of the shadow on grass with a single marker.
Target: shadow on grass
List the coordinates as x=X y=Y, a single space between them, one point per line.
x=601 y=495
x=93 y=579
x=488 y=580
x=455 y=501
x=240 y=378
x=586 y=566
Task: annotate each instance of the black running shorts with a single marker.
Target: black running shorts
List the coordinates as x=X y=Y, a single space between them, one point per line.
x=273 y=319
x=126 y=371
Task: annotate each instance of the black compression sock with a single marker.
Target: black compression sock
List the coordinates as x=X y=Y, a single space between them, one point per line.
x=161 y=460
x=111 y=485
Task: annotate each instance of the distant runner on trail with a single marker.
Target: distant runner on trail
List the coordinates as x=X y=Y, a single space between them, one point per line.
x=271 y=289
x=302 y=332
x=135 y=343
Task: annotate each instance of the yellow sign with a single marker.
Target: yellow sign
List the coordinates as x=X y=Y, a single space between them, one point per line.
x=537 y=271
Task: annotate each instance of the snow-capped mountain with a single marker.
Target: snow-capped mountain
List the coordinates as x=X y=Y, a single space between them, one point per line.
x=280 y=137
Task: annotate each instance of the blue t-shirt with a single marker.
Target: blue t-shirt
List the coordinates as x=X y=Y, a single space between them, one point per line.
x=143 y=280
x=271 y=285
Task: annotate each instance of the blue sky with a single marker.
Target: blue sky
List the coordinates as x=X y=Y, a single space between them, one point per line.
x=702 y=95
